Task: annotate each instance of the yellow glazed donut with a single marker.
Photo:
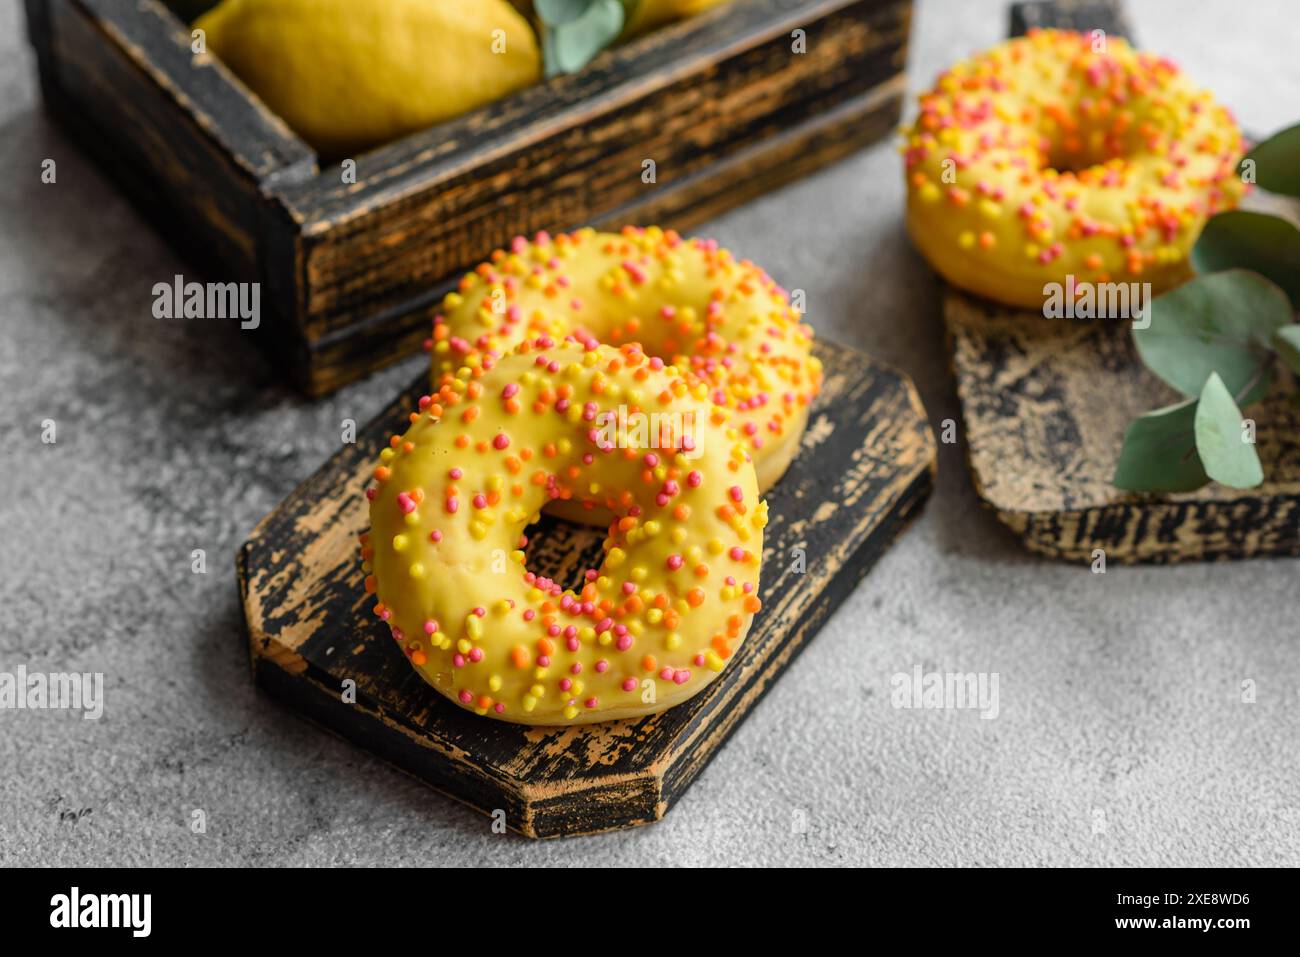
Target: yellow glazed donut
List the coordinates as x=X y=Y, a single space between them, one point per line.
x=686 y=301
x=1041 y=159
x=678 y=587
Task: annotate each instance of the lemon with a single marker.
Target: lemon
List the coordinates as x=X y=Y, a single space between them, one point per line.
x=349 y=75
x=650 y=14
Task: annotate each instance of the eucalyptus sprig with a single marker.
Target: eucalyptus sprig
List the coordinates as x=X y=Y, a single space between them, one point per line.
x=574 y=31
x=1220 y=339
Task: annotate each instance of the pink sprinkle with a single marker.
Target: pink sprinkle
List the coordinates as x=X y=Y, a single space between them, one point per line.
x=455 y=474
x=466 y=697
x=602 y=666
x=591 y=702
x=405 y=503
x=435 y=536
x=480 y=500
x=674 y=562
x=694 y=479
x=629 y=684
x=736 y=494
x=430 y=627
x=501 y=441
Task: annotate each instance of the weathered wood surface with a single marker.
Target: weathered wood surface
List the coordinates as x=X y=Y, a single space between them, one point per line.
x=865 y=469
x=721 y=103
x=1082 y=15
x=1045 y=404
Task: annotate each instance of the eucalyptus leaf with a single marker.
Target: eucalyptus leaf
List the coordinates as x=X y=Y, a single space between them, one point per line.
x=1222 y=322
x=1159 y=453
x=1240 y=239
x=1220 y=439
x=1277 y=162
x=570 y=46
x=1287 y=343
x=555 y=12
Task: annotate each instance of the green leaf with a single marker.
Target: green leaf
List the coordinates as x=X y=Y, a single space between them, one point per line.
x=571 y=45
x=1287 y=343
x=1220 y=439
x=1222 y=322
x=1159 y=453
x=1239 y=239
x=555 y=12
x=1277 y=162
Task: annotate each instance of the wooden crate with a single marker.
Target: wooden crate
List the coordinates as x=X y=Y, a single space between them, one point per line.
x=865 y=470
x=349 y=272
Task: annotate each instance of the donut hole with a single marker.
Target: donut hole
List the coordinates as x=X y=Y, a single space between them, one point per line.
x=1084 y=147
x=563 y=551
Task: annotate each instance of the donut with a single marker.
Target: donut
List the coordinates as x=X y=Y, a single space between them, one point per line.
x=689 y=302
x=452 y=499
x=1041 y=159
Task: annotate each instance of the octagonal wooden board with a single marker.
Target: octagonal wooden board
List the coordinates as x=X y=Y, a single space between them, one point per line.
x=1045 y=404
x=865 y=469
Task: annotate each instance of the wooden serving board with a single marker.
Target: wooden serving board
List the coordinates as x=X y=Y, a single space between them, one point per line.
x=1045 y=404
x=865 y=469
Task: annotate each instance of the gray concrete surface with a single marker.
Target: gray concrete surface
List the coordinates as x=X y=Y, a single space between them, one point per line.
x=1120 y=695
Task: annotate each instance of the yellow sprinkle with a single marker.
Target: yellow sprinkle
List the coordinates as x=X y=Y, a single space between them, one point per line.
x=417 y=570
x=400 y=542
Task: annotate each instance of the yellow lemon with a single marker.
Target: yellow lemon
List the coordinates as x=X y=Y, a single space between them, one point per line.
x=649 y=14
x=349 y=75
